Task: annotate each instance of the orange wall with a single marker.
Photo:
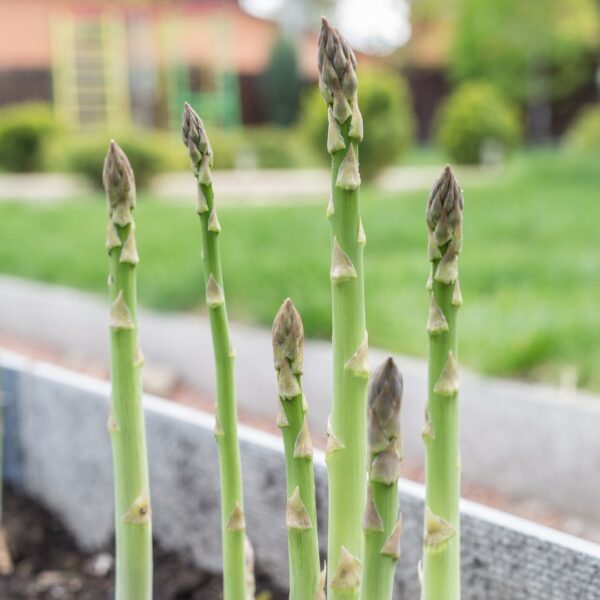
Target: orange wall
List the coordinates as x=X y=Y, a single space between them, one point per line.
x=245 y=47
x=24 y=33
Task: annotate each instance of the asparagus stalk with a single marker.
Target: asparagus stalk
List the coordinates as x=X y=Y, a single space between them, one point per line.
x=126 y=421
x=382 y=523
x=232 y=503
x=347 y=449
x=441 y=548
x=301 y=512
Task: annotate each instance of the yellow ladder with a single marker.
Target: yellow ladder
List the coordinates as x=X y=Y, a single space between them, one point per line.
x=90 y=71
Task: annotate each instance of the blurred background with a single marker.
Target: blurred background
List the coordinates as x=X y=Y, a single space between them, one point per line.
x=507 y=91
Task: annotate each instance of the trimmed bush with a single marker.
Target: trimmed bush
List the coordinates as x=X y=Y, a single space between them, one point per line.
x=149 y=153
x=388 y=120
x=276 y=147
x=264 y=147
x=280 y=83
x=475 y=119
x=583 y=136
x=24 y=131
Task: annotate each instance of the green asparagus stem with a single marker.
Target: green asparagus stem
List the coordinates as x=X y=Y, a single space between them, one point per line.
x=381 y=523
x=126 y=421
x=232 y=503
x=441 y=549
x=301 y=512
x=347 y=450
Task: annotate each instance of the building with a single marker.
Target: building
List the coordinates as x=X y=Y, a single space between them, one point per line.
x=108 y=64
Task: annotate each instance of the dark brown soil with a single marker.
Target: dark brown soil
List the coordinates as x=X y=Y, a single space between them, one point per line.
x=48 y=565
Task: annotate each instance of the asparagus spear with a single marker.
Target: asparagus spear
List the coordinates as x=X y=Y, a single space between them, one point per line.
x=126 y=421
x=441 y=548
x=381 y=523
x=232 y=503
x=301 y=512
x=347 y=451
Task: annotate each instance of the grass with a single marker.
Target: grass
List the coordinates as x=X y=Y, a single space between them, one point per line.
x=529 y=272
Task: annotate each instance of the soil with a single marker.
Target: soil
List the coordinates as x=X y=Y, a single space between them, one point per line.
x=49 y=566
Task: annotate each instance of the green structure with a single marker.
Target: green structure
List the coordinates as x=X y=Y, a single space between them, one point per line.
x=97 y=66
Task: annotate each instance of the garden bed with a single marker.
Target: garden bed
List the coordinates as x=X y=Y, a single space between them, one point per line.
x=502 y=556
x=49 y=565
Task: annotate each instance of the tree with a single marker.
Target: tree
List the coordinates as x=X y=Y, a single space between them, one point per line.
x=281 y=83
x=532 y=51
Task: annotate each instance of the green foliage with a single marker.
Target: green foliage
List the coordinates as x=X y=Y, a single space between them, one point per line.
x=149 y=153
x=388 y=120
x=276 y=147
x=281 y=83
x=583 y=138
x=473 y=117
x=264 y=147
x=24 y=132
x=527 y=49
x=226 y=145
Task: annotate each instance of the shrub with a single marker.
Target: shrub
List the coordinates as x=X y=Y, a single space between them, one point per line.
x=388 y=120
x=583 y=136
x=24 y=132
x=473 y=119
x=276 y=147
x=149 y=153
x=226 y=147
x=280 y=83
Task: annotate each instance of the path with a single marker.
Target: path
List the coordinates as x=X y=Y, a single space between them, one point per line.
x=249 y=186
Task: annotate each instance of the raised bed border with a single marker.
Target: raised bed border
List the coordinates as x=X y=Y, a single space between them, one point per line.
x=504 y=557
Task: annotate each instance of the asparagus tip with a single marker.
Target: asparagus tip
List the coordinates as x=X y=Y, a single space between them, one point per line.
x=444 y=207
x=288 y=337
x=385 y=399
x=119 y=182
x=194 y=137
x=337 y=77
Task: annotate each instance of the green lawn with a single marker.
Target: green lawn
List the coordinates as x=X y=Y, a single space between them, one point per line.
x=530 y=270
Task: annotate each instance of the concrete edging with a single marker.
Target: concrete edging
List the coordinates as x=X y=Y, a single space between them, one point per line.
x=524 y=440
x=503 y=557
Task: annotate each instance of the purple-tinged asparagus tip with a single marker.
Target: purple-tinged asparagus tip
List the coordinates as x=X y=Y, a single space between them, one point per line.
x=385 y=400
x=337 y=71
x=445 y=212
x=119 y=182
x=288 y=337
x=194 y=137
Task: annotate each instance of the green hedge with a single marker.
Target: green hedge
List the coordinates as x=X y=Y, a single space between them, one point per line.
x=583 y=136
x=150 y=153
x=386 y=107
x=25 y=129
x=476 y=118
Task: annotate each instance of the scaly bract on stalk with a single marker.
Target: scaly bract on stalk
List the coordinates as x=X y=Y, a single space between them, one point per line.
x=382 y=522
x=347 y=448
x=126 y=420
x=441 y=545
x=232 y=502
x=301 y=512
